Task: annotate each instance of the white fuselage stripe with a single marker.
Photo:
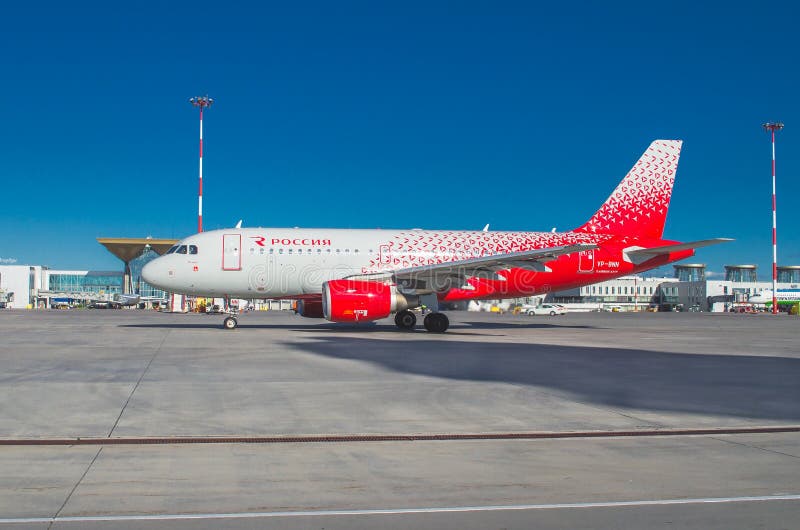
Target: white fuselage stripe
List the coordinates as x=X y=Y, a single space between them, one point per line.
x=397 y=511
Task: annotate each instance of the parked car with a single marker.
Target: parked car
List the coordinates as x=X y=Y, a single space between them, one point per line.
x=545 y=309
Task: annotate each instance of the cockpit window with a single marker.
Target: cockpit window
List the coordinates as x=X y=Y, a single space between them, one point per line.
x=192 y=249
x=172 y=249
x=182 y=249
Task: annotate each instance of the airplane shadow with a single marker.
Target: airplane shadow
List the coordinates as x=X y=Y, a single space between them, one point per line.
x=520 y=325
x=766 y=388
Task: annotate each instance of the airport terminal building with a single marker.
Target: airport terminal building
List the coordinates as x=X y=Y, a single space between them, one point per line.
x=688 y=290
x=23 y=286
x=36 y=286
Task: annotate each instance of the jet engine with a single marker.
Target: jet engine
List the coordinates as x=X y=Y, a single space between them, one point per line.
x=362 y=301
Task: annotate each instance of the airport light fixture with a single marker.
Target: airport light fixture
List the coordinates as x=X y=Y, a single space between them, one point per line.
x=772 y=127
x=201 y=102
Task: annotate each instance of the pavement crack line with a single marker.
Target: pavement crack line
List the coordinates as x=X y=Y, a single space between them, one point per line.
x=136 y=386
x=75 y=487
x=641 y=421
x=750 y=446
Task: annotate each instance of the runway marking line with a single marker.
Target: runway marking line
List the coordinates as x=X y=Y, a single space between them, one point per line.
x=349 y=438
x=395 y=511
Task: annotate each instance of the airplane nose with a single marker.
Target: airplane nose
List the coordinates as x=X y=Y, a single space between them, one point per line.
x=152 y=273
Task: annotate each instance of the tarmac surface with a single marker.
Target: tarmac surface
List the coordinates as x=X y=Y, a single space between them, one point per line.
x=145 y=375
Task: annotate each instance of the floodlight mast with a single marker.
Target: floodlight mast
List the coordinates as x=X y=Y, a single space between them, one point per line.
x=772 y=127
x=201 y=102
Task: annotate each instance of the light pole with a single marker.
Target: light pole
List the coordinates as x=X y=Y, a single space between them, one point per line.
x=201 y=102
x=772 y=127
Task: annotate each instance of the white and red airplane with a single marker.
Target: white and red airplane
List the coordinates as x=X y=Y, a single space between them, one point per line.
x=366 y=275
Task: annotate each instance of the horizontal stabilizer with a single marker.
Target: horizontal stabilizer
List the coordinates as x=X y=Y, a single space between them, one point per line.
x=638 y=255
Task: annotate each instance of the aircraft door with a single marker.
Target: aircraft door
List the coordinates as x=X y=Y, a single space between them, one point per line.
x=232 y=252
x=385 y=254
x=586 y=261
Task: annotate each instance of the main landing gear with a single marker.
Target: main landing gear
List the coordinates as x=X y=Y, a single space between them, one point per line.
x=230 y=322
x=405 y=319
x=434 y=322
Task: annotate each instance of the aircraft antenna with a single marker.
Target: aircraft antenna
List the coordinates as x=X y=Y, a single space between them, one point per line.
x=772 y=127
x=201 y=102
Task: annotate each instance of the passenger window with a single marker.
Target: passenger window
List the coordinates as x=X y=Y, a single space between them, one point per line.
x=271 y=251
x=319 y=251
x=192 y=249
x=261 y=251
x=182 y=249
x=290 y=251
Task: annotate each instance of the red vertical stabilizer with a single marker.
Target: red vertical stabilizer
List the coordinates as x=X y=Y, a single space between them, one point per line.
x=638 y=207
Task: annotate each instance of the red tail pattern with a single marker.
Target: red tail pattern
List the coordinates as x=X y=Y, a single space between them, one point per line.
x=638 y=207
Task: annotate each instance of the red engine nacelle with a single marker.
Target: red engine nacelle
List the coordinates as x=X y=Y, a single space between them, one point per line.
x=310 y=308
x=361 y=301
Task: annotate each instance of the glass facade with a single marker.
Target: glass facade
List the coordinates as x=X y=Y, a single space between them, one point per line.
x=141 y=287
x=105 y=284
x=789 y=274
x=690 y=273
x=667 y=294
x=740 y=273
x=100 y=282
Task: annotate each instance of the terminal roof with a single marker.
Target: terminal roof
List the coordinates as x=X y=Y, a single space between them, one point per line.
x=129 y=248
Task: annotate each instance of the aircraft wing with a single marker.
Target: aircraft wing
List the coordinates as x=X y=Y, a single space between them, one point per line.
x=440 y=276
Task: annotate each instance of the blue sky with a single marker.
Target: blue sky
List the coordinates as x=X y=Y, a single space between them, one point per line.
x=445 y=115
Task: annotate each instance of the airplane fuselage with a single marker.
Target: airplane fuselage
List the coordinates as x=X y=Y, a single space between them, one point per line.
x=785 y=297
x=254 y=263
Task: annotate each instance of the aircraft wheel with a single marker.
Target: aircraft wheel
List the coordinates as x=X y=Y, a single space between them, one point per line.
x=405 y=319
x=229 y=323
x=552 y=313
x=436 y=322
